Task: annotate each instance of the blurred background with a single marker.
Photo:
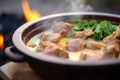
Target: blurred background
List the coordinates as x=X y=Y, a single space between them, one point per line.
x=46 y=7
x=13 y=12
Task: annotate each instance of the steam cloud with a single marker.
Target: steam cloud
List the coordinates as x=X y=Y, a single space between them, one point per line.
x=78 y=5
x=61 y=6
x=73 y=6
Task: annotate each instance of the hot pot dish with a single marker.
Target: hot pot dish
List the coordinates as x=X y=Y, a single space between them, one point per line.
x=70 y=46
x=84 y=40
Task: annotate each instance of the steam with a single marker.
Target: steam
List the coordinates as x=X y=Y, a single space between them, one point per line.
x=78 y=5
x=61 y=6
x=72 y=6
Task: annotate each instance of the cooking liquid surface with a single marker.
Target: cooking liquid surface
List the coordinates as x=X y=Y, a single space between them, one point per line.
x=34 y=42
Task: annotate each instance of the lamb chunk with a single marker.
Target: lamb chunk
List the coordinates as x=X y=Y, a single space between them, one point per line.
x=88 y=32
x=75 y=45
x=53 y=49
x=50 y=51
x=91 y=57
x=58 y=26
x=56 y=52
x=45 y=35
x=109 y=52
x=113 y=39
x=79 y=44
x=83 y=34
x=41 y=46
x=45 y=44
x=53 y=37
x=62 y=52
x=79 y=34
x=117 y=34
x=114 y=35
x=94 y=45
x=115 y=42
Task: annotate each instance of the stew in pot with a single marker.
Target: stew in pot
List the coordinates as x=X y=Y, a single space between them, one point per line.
x=82 y=40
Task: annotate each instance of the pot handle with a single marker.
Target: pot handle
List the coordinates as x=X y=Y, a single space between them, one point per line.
x=14 y=54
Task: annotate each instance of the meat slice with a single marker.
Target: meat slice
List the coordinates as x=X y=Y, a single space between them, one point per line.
x=58 y=26
x=53 y=37
x=52 y=49
x=75 y=45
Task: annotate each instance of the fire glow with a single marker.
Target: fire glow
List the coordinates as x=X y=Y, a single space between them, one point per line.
x=28 y=13
x=1 y=42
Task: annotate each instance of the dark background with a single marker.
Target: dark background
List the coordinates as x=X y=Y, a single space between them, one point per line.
x=47 y=7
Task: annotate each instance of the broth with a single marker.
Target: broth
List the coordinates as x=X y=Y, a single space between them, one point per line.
x=34 y=42
x=87 y=43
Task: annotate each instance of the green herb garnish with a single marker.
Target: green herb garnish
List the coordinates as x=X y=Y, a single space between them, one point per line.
x=101 y=29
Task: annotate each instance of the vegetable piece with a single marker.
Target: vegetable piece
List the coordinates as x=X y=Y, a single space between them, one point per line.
x=63 y=42
x=101 y=29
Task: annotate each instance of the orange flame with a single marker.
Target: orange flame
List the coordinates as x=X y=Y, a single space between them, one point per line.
x=1 y=42
x=29 y=14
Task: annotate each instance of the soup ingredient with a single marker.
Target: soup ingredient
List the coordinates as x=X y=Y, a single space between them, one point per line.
x=113 y=39
x=83 y=34
x=75 y=45
x=53 y=37
x=100 y=29
x=50 y=48
x=31 y=44
x=111 y=48
x=76 y=55
x=108 y=52
x=81 y=45
x=63 y=42
x=59 y=26
x=94 y=45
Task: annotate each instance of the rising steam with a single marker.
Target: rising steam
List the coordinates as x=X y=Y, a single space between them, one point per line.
x=78 y=5
x=72 y=6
